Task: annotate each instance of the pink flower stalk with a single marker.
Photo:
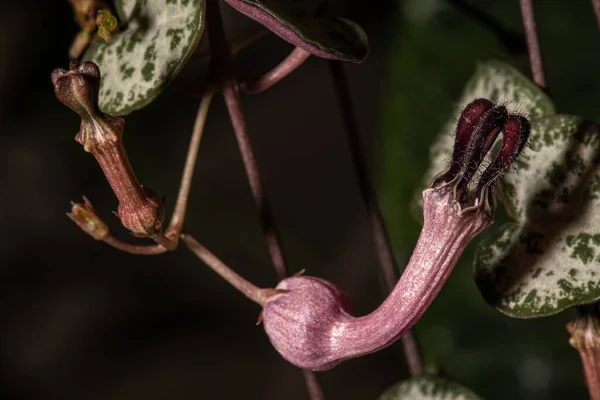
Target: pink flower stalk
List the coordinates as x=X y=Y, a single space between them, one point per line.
x=310 y=322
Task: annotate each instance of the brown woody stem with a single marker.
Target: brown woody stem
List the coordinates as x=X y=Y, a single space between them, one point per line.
x=383 y=246
x=295 y=59
x=585 y=337
x=533 y=44
x=313 y=386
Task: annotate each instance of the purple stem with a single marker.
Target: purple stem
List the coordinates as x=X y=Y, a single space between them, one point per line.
x=223 y=70
x=533 y=44
x=232 y=100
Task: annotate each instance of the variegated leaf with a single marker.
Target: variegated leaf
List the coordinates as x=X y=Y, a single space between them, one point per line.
x=306 y=24
x=549 y=258
x=428 y=388
x=500 y=83
x=139 y=62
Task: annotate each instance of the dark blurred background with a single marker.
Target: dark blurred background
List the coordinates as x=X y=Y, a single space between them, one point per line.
x=80 y=320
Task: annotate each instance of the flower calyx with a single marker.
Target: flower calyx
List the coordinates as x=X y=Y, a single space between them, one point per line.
x=479 y=125
x=140 y=209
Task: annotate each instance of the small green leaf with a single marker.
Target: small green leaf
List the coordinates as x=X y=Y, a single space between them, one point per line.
x=428 y=388
x=500 y=83
x=548 y=259
x=157 y=39
x=306 y=24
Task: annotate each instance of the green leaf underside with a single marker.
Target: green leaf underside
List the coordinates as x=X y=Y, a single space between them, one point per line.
x=338 y=37
x=549 y=258
x=140 y=61
x=428 y=388
x=500 y=83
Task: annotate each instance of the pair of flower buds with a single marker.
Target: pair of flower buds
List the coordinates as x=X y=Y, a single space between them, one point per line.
x=309 y=320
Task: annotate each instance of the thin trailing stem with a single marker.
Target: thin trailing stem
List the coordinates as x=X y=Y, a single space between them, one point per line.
x=164 y=241
x=596 y=5
x=144 y=250
x=383 y=247
x=295 y=59
x=222 y=70
x=533 y=44
x=254 y=293
x=176 y=223
x=313 y=385
x=262 y=202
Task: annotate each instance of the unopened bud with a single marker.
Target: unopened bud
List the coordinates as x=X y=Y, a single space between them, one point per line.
x=85 y=217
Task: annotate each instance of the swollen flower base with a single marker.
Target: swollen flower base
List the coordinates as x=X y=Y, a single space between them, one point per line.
x=310 y=321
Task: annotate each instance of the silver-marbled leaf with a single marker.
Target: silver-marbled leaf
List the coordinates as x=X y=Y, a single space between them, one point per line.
x=308 y=25
x=428 y=388
x=500 y=83
x=548 y=259
x=139 y=62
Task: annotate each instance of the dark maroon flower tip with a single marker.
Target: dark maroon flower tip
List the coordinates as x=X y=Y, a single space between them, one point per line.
x=477 y=129
x=515 y=135
x=467 y=122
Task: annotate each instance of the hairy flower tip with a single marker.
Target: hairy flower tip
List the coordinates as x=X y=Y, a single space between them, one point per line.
x=77 y=87
x=84 y=215
x=478 y=127
x=304 y=322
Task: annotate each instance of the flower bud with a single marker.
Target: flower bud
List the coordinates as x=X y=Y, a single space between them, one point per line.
x=101 y=135
x=85 y=217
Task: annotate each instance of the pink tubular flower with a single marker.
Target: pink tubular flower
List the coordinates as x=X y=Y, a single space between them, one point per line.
x=310 y=322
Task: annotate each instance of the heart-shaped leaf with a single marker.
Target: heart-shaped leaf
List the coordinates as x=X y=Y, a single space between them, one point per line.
x=500 y=83
x=139 y=62
x=306 y=24
x=428 y=388
x=549 y=258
